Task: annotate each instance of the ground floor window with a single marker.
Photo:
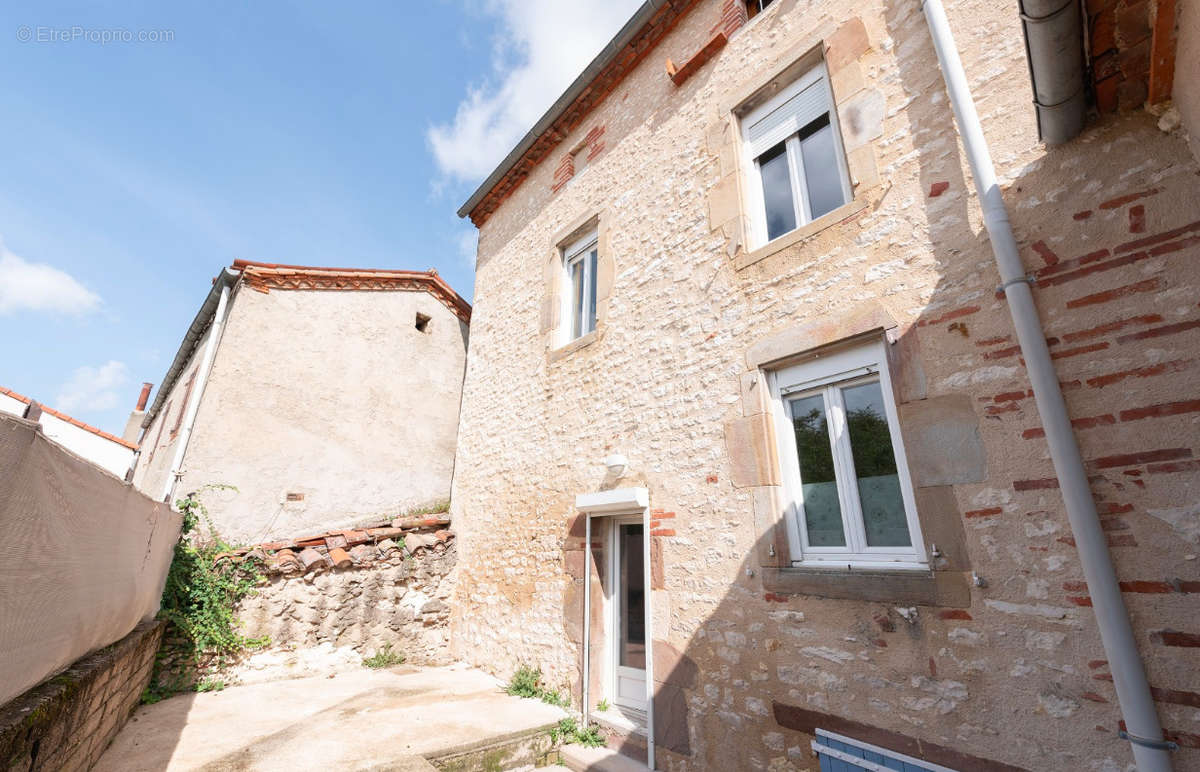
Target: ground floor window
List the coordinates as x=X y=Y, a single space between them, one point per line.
x=839 y=753
x=849 y=492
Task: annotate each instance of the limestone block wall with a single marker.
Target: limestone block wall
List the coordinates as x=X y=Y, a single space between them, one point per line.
x=1011 y=673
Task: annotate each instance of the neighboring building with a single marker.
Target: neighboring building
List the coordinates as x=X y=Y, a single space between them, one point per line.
x=107 y=451
x=686 y=276
x=324 y=397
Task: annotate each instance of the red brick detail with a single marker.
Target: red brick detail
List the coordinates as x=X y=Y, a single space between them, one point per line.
x=1003 y=353
x=938 y=188
x=1162 y=409
x=772 y=597
x=1120 y=201
x=1143 y=586
x=712 y=478
x=955 y=314
x=1162 y=53
x=1146 y=285
x=885 y=623
x=1093 y=697
x=1174 y=466
x=955 y=613
x=1103 y=329
x=1045 y=483
x=1155 y=332
x=1143 y=457
x=1176 y=696
x=563 y=173
x=1047 y=254
x=1158 y=238
x=1176 y=638
x=1086 y=213
x=1114 y=540
x=1084 y=601
x=662 y=532
x=1079 y=423
x=1113 y=508
x=733 y=16
x=1075 y=585
x=1071 y=352
x=1173 y=366
x=993 y=341
x=1096 y=664
x=989 y=512
x=1137 y=219
x=689 y=68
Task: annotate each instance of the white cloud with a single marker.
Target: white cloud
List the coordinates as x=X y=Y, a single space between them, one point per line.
x=467 y=241
x=93 y=388
x=541 y=46
x=27 y=286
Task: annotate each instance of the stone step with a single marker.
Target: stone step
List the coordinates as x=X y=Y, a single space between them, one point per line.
x=580 y=758
x=515 y=750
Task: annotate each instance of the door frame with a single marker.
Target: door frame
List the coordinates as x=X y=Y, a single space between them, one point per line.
x=612 y=614
x=630 y=503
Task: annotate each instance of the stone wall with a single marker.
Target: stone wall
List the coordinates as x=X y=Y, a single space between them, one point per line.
x=395 y=597
x=1011 y=671
x=65 y=723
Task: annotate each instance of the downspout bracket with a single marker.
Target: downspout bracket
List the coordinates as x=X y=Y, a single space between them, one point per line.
x=1028 y=278
x=1161 y=745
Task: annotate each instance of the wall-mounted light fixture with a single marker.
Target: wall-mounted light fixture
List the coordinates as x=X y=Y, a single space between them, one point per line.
x=616 y=464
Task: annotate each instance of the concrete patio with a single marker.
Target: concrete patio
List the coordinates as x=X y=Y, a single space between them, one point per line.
x=395 y=719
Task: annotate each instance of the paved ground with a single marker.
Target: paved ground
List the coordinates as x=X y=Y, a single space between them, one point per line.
x=356 y=720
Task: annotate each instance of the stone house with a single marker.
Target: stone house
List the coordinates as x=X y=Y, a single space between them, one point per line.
x=746 y=424
x=323 y=396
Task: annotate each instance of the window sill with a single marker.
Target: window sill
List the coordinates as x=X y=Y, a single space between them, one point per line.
x=567 y=349
x=923 y=588
x=803 y=233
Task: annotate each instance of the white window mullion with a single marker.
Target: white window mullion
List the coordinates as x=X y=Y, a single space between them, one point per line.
x=843 y=462
x=796 y=174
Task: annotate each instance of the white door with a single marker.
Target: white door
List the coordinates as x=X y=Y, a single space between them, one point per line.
x=627 y=605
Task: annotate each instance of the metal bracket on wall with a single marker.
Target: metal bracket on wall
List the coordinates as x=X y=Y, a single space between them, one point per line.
x=1165 y=745
x=1027 y=278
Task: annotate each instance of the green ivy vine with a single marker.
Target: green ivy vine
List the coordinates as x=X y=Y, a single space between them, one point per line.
x=202 y=593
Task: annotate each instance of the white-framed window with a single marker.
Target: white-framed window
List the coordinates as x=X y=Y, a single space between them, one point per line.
x=794 y=157
x=579 y=287
x=847 y=485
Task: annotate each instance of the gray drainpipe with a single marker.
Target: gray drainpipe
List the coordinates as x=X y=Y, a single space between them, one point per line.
x=1150 y=752
x=1054 y=48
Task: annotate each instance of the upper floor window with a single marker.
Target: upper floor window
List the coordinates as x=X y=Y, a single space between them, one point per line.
x=794 y=157
x=754 y=7
x=849 y=492
x=579 y=299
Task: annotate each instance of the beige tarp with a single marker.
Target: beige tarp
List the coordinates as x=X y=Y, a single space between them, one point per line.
x=83 y=556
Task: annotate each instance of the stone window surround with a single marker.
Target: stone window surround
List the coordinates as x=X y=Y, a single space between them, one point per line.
x=553 y=278
x=751 y=443
x=727 y=200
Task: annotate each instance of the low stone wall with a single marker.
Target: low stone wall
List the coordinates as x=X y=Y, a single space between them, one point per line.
x=66 y=722
x=393 y=595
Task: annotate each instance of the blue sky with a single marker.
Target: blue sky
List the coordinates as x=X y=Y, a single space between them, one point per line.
x=306 y=132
